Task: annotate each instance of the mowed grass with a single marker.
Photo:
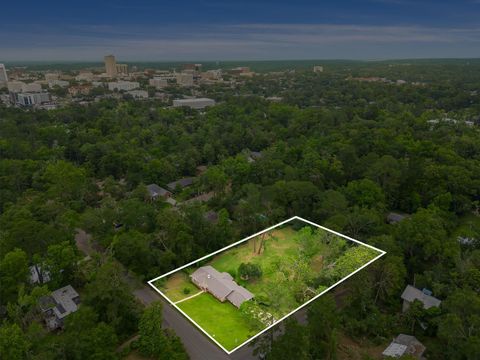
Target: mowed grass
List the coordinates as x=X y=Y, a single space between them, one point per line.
x=175 y=286
x=222 y=321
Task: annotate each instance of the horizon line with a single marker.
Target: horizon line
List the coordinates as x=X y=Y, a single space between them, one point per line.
x=240 y=60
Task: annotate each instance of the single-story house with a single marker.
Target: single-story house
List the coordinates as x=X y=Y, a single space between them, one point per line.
x=58 y=305
x=410 y=294
x=220 y=285
x=405 y=345
x=155 y=191
x=182 y=183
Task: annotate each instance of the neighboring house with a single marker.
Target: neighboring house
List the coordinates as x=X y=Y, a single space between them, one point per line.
x=155 y=191
x=405 y=345
x=182 y=183
x=253 y=156
x=38 y=275
x=410 y=294
x=393 y=218
x=58 y=305
x=220 y=285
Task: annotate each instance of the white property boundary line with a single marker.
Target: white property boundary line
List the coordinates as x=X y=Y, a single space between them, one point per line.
x=150 y=282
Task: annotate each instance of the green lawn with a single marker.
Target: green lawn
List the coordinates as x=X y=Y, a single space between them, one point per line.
x=174 y=287
x=277 y=250
x=222 y=321
x=285 y=245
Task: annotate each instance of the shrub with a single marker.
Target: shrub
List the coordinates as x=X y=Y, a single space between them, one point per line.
x=248 y=271
x=186 y=291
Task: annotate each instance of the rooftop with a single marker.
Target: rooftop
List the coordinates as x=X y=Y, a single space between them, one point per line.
x=184 y=182
x=154 y=190
x=405 y=345
x=411 y=294
x=221 y=285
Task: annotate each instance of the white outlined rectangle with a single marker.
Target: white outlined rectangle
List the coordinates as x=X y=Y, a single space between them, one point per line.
x=150 y=282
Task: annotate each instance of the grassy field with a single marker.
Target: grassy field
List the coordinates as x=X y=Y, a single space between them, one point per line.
x=281 y=248
x=174 y=287
x=222 y=321
x=283 y=245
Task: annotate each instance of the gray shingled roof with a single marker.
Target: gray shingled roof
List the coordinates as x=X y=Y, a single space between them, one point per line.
x=154 y=190
x=411 y=294
x=184 y=182
x=221 y=285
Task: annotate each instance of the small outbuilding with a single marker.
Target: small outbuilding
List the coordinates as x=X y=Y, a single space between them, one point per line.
x=39 y=275
x=404 y=345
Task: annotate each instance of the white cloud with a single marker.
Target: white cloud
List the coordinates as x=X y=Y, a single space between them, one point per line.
x=241 y=41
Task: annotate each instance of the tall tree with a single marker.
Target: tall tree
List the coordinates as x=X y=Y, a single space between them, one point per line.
x=154 y=341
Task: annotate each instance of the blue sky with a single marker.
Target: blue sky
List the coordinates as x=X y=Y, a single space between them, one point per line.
x=148 y=30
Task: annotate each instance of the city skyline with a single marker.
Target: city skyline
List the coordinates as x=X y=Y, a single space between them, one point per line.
x=265 y=30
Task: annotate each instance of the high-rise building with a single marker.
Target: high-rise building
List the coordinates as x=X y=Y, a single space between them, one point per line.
x=110 y=65
x=3 y=74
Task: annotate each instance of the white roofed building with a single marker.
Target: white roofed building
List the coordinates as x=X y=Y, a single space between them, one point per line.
x=196 y=103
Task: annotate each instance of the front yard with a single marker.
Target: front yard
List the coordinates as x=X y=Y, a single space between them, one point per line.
x=222 y=321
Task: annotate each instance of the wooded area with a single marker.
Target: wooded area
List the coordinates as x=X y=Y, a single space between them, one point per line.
x=338 y=151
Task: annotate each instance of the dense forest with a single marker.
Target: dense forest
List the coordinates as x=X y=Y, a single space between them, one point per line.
x=339 y=151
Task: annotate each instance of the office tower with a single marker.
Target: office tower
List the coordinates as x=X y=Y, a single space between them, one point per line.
x=110 y=65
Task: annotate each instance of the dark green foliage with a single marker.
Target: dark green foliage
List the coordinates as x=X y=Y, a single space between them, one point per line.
x=337 y=151
x=156 y=342
x=249 y=271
